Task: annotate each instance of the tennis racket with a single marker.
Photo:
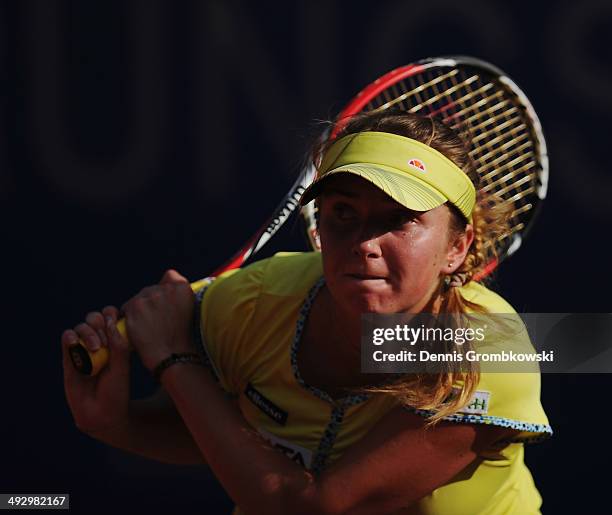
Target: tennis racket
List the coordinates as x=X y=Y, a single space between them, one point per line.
x=473 y=97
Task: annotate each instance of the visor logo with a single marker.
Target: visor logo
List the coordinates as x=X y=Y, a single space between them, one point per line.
x=418 y=164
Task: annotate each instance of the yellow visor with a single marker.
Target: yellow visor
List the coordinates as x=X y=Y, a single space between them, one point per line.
x=411 y=173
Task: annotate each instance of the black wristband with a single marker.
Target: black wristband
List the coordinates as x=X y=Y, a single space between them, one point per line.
x=185 y=357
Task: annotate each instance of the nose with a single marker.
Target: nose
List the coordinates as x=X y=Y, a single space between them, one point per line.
x=368 y=248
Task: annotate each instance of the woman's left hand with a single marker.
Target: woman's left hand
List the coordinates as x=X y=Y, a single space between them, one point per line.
x=159 y=319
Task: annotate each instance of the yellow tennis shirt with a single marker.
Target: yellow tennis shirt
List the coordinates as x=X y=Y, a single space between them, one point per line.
x=251 y=322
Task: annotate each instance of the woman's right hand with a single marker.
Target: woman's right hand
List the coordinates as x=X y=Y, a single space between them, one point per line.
x=99 y=404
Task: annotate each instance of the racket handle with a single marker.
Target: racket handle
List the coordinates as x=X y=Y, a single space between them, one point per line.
x=88 y=362
x=91 y=363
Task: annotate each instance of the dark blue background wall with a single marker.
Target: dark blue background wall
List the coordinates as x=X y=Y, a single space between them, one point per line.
x=139 y=135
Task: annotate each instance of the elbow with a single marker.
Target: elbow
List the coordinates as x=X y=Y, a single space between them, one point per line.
x=307 y=496
x=319 y=500
x=298 y=498
x=314 y=498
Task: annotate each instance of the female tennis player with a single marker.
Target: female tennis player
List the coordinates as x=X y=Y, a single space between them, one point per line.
x=281 y=411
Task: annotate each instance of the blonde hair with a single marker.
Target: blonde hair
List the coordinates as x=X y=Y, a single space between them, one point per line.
x=448 y=391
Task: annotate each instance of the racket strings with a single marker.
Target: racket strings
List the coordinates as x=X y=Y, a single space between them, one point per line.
x=503 y=148
x=503 y=155
x=409 y=96
x=482 y=123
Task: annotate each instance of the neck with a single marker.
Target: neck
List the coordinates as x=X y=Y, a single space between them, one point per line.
x=343 y=331
x=343 y=328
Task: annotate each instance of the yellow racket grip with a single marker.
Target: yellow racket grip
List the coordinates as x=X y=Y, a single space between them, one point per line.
x=91 y=363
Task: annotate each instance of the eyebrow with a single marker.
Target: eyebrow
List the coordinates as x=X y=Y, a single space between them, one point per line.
x=337 y=191
x=334 y=190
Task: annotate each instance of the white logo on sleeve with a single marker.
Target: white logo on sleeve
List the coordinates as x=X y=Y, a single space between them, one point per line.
x=299 y=454
x=479 y=404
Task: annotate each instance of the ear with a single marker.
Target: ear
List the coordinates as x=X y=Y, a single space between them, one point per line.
x=458 y=249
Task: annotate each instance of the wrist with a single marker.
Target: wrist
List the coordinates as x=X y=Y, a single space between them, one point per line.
x=154 y=357
x=173 y=360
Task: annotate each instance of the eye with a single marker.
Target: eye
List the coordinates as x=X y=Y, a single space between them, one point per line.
x=399 y=218
x=344 y=212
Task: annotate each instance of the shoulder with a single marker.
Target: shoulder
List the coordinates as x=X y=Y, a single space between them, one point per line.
x=505 y=397
x=479 y=294
x=285 y=273
x=291 y=273
x=234 y=295
x=244 y=314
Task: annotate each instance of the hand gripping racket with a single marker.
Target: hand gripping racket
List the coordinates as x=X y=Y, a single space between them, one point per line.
x=470 y=95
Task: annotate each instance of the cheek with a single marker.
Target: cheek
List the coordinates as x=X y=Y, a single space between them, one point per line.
x=332 y=256
x=418 y=256
x=336 y=242
x=334 y=234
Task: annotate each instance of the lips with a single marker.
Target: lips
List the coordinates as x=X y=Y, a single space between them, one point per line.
x=366 y=277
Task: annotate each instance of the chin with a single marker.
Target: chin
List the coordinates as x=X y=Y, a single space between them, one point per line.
x=361 y=304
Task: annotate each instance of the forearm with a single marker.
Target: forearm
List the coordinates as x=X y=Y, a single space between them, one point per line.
x=257 y=477
x=155 y=430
